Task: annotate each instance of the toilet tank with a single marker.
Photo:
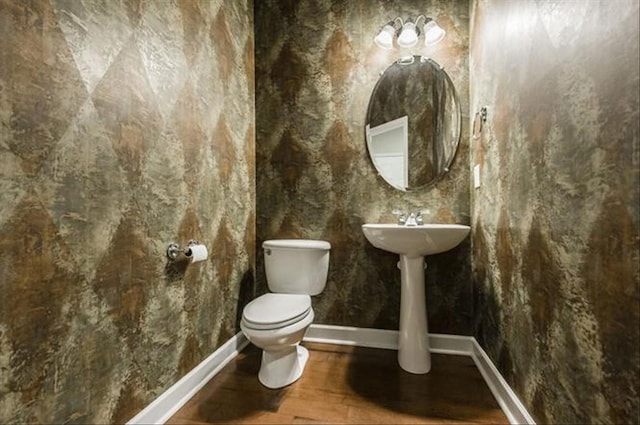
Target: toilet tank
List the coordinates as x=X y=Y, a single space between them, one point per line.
x=296 y=266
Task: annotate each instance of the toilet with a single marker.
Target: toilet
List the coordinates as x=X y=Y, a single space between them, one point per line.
x=276 y=322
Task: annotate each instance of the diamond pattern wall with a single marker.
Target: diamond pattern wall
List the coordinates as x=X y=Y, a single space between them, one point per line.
x=556 y=224
x=314 y=77
x=124 y=125
x=128 y=123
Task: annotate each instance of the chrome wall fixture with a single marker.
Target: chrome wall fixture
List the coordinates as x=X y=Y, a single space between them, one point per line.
x=479 y=121
x=174 y=249
x=407 y=32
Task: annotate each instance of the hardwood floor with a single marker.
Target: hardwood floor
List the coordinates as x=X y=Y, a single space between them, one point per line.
x=344 y=384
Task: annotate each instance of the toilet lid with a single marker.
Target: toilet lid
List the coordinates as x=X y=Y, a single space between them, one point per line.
x=271 y=311
x=296 y=244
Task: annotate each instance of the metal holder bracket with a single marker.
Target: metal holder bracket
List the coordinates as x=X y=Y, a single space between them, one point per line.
x=478 y=122
x=174 y=250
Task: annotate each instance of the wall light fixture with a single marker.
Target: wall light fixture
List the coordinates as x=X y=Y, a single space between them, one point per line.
x=408 y=32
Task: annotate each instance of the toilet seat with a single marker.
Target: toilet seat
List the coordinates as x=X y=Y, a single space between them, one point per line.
x=273 y=311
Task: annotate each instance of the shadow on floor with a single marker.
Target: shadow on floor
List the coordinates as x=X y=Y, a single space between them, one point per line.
x=348 y=385
x=452 y=390
x=236 y=392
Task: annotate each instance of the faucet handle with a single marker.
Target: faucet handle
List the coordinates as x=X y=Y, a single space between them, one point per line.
x=402 y=216
x=419 y=218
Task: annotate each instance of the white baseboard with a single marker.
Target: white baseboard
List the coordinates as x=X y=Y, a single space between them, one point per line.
x=175 y=397
x=504 y=395
x=165 y=406
x=440 y=344
x=384 y=338
x=345 y=335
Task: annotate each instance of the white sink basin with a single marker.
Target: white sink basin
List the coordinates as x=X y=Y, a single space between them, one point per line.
x=415 y=241
x=412 y=243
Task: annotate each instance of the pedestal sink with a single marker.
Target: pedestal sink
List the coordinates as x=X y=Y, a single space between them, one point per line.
x=412 y=243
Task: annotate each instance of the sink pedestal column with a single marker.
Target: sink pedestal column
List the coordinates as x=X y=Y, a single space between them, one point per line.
x=413 y=344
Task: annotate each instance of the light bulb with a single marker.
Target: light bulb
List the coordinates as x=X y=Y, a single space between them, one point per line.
x=433 y=33
x=408 y=36
x=384 y=39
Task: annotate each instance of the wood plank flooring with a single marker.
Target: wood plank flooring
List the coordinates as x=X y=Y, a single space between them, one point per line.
x=344 y=384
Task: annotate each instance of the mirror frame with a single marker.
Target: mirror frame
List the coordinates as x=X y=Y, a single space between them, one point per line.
x=409 y=60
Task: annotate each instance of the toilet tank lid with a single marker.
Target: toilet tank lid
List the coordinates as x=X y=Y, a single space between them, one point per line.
x=296 y=243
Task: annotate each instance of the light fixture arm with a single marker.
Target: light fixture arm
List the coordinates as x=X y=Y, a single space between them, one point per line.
x=395 y=20
x=424 y=19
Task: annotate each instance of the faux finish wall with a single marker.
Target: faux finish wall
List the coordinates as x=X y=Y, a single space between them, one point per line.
x=124 y=125
x=555 y=226
x=316 y=66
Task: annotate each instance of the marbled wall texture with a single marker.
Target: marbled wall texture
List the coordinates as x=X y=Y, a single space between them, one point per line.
x=124 y=125
x=555 y=226
x=316 y=67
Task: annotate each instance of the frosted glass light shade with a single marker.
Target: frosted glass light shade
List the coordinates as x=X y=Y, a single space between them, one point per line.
x=408 y=36
x=433 y=33
x=384 y=39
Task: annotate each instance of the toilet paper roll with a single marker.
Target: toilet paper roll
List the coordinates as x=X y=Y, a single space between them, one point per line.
x=197 y=253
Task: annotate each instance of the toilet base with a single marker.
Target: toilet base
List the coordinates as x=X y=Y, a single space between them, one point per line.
x=283 y=367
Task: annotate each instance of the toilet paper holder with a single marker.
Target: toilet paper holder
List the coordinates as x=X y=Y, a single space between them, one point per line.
x=174 y=250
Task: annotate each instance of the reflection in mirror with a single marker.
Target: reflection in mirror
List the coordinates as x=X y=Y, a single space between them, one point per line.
x=419 y=91
x=388 y=147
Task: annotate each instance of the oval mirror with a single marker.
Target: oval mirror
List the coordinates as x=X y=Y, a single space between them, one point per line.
x=413 y=123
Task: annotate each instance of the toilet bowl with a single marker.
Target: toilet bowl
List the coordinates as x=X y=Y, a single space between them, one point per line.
x=276 y=322
x=283 y=359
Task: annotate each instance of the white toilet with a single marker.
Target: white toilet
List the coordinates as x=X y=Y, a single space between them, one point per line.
x=276 y=322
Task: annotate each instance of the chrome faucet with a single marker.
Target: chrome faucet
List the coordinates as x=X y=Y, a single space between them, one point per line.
x=414 y=218
x=419 y=216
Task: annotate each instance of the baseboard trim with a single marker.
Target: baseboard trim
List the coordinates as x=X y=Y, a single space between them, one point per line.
x=165 y=406
x=440 y=344
x=346 y=335
x=504 y=395
x=385 y=339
